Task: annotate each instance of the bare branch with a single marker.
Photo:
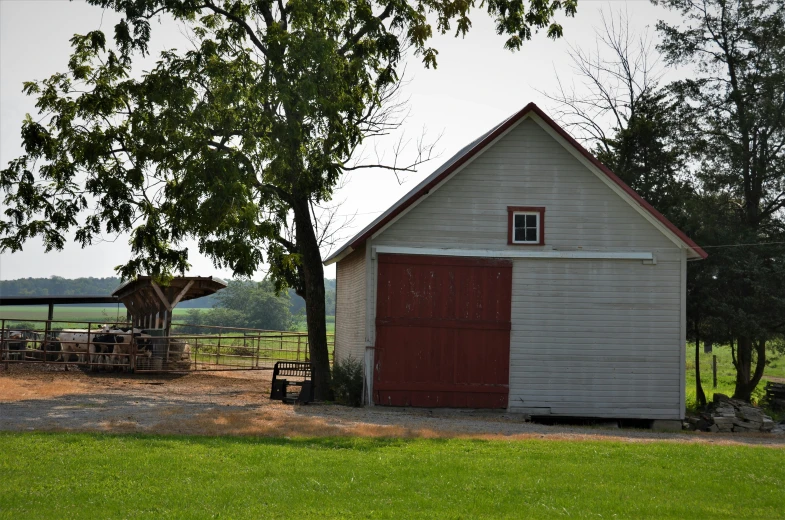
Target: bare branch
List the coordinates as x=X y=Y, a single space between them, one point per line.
x=615 y=76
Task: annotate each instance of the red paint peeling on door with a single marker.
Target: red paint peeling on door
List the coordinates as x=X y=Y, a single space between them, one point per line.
x=442 y=332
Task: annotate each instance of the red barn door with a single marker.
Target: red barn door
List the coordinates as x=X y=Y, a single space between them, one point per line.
x=442 y=332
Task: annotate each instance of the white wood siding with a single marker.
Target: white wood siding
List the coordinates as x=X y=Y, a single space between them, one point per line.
x=596 y=338
x=527 y=167
x=350 y=306
x=589 y=337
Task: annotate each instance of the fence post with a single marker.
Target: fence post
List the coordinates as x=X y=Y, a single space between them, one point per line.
x=299 y=341
x=132 y=359
x=218 y=350
x=48 y=328
x=4 y=345
x=196 y=352
x=43 y=345
x=89 y=334
x=714 y=368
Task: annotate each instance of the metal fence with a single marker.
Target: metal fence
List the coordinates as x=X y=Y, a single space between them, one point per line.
x=107 y=347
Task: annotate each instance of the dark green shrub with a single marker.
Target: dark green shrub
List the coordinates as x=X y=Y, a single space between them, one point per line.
x=347 y=382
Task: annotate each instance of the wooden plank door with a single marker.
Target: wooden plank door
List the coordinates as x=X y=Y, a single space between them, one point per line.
x=442 y=332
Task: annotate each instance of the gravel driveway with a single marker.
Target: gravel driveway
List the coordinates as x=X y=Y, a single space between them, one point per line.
x=38 y=398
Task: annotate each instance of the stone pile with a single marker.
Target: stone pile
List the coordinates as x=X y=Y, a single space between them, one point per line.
x=730 y=415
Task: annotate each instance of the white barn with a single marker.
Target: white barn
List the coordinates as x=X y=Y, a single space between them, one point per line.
x=524 y=275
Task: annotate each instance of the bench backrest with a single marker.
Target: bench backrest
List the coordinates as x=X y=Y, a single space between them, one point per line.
x=292 y=368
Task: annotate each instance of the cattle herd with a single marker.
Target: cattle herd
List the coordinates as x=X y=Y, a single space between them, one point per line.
x=105 y=347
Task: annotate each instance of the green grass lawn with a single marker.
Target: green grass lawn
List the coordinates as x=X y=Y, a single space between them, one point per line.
x=726 y=374
x=99 y=476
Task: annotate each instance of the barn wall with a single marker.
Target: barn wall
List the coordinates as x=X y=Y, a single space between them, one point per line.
x=582 y=330
x=596 y=338
x=350 y=306
x=527 y=167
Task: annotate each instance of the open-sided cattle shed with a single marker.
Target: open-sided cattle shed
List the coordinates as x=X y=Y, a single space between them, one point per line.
x=151 y=304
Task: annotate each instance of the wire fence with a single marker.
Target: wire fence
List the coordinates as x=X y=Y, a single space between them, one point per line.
x=118 y=347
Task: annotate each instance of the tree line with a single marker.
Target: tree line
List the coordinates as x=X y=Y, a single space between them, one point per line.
x=59 y=286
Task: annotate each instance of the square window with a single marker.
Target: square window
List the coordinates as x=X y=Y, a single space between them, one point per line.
x=525 y=225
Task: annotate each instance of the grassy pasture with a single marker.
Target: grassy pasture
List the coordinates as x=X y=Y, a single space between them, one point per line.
x=726 y=374
x=99 y=476
x=99 y=314
x=301 y=326
x=72 y=313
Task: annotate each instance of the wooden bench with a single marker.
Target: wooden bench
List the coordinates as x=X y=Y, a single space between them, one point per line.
x=775 y=395
x=280 y=386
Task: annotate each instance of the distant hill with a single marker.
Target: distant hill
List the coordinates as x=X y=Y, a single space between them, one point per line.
x=58 y=286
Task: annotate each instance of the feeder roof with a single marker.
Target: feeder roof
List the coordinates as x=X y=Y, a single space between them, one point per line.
x=201 y=286
x=144 y=295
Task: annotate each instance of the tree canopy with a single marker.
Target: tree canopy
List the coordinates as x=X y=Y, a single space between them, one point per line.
x=220 y=142
x=232 y=142
x=246 y=304
x=736 y=103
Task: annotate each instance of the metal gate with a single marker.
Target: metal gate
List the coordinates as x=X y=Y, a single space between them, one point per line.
x=442 y=332
x=107 y=348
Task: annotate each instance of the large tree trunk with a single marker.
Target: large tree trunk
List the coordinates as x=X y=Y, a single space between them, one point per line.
x=313 y=281
x=746 y=381
x=700 y=395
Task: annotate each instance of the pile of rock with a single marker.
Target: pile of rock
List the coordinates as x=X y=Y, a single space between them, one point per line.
x=730 y=415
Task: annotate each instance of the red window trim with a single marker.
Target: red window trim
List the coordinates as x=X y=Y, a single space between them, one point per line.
x=511 y=210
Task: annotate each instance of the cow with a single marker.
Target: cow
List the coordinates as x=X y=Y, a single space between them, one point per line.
x=14 y=345
x=102 y=346
x=107 y=347
x=75 y=341
x=122 y=341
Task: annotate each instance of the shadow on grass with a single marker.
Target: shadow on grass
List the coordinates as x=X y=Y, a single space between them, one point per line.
x=151 y=441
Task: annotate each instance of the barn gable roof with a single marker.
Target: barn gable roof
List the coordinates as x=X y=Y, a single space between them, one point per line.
x=476 y=147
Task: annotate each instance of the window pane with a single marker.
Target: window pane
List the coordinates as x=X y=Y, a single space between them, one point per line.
x=531 y=235
x=520 y=234
x=520 y=221
x=531 y=221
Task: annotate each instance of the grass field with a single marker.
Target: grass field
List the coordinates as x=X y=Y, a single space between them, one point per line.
x=108 y=313
x=96 y=476
x=302 y=326
x=72 y=313
x=726 y=374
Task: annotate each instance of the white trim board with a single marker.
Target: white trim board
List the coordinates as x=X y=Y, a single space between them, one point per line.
x=506 y=253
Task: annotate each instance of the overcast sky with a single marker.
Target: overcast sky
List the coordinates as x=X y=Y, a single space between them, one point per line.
x=476 y=85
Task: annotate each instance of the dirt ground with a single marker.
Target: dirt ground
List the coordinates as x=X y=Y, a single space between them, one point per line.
x=41 y=398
